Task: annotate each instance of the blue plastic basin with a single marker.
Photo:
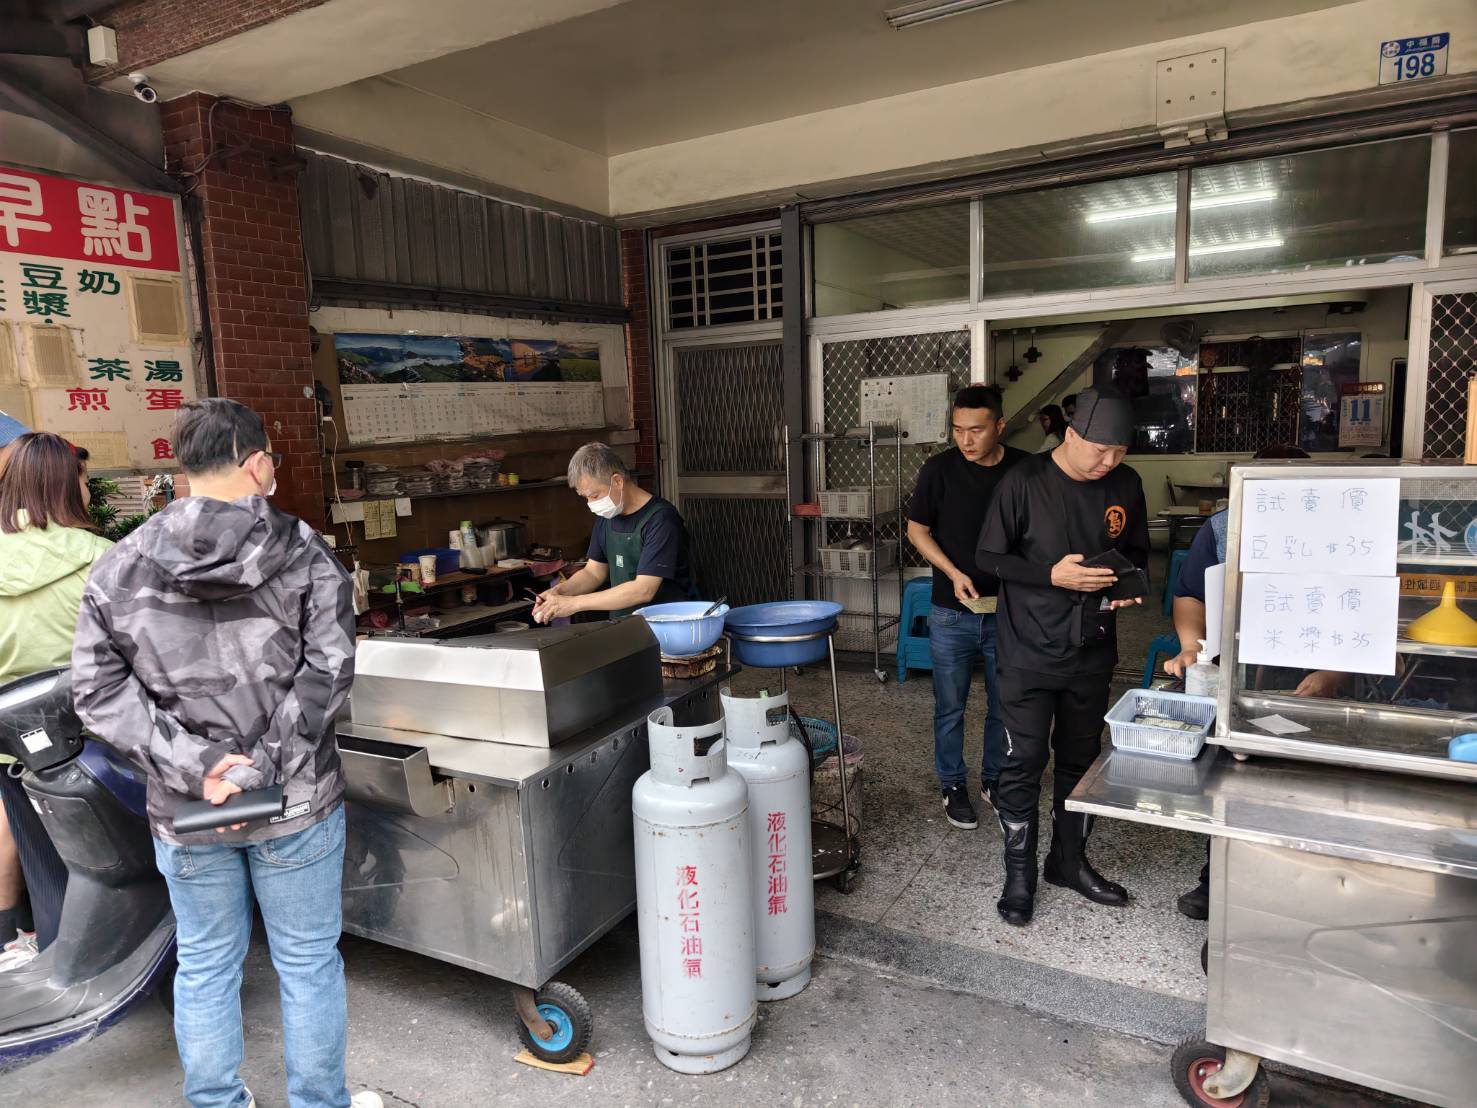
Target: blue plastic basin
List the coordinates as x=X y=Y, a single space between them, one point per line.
x=782 y=619
x=1463 y=748
x=681 y=628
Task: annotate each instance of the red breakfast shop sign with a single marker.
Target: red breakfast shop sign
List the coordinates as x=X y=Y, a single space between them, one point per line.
x=56 y=217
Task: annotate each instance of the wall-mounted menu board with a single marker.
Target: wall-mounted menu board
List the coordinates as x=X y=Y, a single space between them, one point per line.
x=407 y=388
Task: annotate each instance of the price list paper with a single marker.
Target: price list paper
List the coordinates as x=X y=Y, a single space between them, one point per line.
x=1319 y=588
x=1320 y=621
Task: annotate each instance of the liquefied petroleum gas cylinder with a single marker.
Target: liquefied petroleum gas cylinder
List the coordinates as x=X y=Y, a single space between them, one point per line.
x=693 y=898
x=777 y=770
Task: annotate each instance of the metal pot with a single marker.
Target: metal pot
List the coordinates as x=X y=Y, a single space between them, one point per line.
x=504 y=537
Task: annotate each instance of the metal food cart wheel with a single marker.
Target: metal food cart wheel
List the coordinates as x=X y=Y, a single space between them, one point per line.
x=1196 y=1060
x=568 y=1017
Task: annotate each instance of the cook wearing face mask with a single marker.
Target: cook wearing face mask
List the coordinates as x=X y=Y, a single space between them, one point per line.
x=638 y=548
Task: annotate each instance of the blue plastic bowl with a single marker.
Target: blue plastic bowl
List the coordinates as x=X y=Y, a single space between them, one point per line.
x=1463 y=748
x=782 y=619
x=681 y=628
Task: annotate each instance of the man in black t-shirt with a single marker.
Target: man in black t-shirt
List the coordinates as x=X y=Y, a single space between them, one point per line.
x=944 y=519
x=1058 y=640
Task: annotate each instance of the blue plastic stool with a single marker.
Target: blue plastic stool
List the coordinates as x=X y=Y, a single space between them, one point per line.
x=912 y=633
x=1168 y=643
x=1172 y=578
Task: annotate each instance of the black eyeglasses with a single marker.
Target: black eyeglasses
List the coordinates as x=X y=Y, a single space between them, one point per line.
x=275 y=455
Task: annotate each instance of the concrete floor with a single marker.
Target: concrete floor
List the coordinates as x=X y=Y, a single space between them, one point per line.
x=428 y=1035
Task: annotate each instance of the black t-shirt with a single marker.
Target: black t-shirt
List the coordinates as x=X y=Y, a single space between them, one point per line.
x=950 y=500
x=1038 y=516
x=664 y=547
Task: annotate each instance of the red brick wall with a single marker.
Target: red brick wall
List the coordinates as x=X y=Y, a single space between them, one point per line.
x=256 y=287
x=151 y=30
x=639 y=364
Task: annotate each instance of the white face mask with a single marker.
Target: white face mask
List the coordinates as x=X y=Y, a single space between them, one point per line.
x=605 y=507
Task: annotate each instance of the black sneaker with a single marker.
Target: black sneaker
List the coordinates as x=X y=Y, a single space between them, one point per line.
x=958 y=810
x=1196 y=903
x=990 y=793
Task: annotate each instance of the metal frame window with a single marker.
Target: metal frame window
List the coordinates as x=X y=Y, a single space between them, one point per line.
x=978 y=314
x=722 y=279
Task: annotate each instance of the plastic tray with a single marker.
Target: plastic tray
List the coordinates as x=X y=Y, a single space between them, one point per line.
x=1147 y=739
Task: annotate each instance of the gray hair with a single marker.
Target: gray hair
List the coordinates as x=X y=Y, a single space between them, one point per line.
x=598 y=462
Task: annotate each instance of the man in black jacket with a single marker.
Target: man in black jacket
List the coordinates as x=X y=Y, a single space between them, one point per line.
x=1058 y=640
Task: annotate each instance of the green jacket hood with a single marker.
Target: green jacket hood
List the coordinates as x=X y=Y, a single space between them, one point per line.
x=34 y=557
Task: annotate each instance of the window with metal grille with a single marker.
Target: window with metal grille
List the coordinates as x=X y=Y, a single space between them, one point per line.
x=1453 y=349
x=734 y=280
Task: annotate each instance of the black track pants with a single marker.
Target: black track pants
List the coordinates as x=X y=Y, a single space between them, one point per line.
x=1045 y=713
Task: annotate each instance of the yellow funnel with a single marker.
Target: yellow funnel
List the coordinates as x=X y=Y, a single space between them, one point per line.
x=1445 y=624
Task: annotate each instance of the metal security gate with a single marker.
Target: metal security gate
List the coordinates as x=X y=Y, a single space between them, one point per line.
x=727 y=408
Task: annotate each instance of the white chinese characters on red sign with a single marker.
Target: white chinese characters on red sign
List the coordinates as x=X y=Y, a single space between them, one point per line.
x=74 y=256
x=55 y=217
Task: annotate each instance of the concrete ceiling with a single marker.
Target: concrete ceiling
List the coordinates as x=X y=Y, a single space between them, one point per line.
x=645 y=73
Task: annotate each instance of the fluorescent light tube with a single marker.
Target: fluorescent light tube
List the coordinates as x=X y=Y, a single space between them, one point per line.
x=1197 y=203
x=1219 y=248
x=926 y=11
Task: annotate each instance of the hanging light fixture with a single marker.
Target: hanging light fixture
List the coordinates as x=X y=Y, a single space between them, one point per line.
x=1014 y=372
x=926 y=11
x=1032 y=355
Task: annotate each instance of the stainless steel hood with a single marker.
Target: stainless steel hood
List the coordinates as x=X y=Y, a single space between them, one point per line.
x=530 y=688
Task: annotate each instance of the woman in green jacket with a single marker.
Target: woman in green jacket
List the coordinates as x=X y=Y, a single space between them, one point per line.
x=47 y=547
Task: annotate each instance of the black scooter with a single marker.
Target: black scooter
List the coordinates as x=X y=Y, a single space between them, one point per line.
x=115 y=943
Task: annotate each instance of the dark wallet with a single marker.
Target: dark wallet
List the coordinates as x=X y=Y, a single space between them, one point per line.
x=1132 y=582
x=252 y=806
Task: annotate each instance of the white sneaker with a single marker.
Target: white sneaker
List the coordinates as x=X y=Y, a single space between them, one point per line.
x=366 y=1099
x=19 y=951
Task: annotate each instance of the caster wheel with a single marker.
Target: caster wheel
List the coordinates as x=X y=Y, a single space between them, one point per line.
x=1240 y=757
x=565 y=1010
x=1205 y=957
x=1195 y=1060
x=842 y=881
x=881 y=676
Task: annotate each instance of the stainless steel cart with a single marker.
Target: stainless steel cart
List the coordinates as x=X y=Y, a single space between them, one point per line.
x=504 y=859
x=1343 y=920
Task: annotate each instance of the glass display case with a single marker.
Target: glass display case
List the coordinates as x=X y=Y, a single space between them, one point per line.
x=1349 y=625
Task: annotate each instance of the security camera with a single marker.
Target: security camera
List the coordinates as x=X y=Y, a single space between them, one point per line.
x=142 y=89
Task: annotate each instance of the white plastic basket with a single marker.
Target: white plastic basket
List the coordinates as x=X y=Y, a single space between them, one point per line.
x=857 y=562
x=854 y=503
x=1147 y=739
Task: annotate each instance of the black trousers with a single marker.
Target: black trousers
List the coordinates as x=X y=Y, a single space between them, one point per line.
x=1044 y=714
x=45 y=872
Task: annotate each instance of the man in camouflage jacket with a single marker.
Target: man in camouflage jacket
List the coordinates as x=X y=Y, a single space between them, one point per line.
x=215 y=646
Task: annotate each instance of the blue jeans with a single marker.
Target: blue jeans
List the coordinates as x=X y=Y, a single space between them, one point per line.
x=955 y=641
x=297 y=882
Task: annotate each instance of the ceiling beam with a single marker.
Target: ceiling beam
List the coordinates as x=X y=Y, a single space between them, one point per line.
x=38 y=105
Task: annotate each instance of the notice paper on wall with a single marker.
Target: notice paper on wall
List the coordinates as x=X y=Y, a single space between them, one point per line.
x=379 y=519
x=1320 y=621
x=1326 y=524
x=918 y=405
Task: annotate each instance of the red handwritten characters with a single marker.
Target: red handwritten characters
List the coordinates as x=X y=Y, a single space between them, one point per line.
x=689 y=921
x=779 y=880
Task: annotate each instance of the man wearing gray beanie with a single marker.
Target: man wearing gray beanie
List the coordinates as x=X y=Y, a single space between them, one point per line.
x=1057 y=632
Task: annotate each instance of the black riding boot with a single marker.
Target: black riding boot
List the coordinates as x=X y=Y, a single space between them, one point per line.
x=1067 y=864
x=1018 y=898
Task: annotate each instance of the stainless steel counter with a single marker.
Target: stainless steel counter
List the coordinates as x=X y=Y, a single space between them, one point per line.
x=508 y=860
x=1410 y=822
x=1343 y=914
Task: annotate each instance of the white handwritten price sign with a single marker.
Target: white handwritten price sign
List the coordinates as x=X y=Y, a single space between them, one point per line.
x=1325 y=525
x=1319 y=621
